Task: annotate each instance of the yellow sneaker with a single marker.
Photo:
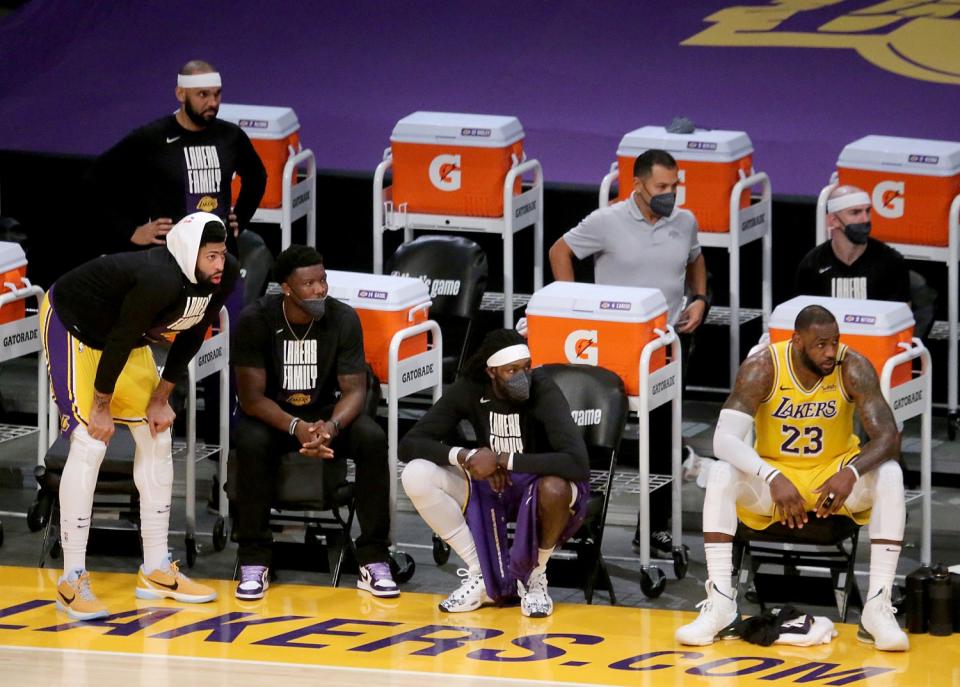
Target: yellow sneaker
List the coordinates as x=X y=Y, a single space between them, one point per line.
x=170 y=583
x=76 y=598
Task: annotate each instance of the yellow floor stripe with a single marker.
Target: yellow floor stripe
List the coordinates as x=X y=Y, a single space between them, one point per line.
x=345 y=628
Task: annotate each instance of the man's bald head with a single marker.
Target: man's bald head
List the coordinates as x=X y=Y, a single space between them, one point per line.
x=848 y=205
x=196 y=67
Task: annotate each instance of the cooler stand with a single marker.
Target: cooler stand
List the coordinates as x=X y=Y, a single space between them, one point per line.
x=520 y=211
x=299 y=199
x=746 y=226
x=909 y=400
x=22 y=337
x=656 y=388
x=212 y=357
x=949 y=255
x=408 y=376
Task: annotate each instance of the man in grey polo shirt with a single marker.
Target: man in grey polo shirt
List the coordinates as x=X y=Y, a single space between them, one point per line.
x=646 y=241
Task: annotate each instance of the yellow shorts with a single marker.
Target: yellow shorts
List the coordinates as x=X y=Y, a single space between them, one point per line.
x=72 y=366
x=805 y=479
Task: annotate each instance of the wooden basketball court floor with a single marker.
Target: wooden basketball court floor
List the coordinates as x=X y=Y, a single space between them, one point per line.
x=311 y=635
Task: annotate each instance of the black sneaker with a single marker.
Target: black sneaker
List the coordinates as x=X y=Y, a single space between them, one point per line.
x=661 y=543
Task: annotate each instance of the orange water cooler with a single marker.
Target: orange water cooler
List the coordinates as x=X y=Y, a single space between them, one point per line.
x=875 y=329
x=385 y=304
x=911 y=183
x=710 y=162
x=454 y=164
x=275 y=134
x=13 y=270
x=591 y=324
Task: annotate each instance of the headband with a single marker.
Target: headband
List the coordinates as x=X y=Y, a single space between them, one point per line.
x=510 y=354
x=205 y=80
x=848 y=201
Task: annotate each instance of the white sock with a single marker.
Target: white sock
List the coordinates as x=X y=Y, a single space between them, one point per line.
x=543 y=556
x=883 y=567
x=461 y=541
x=720 y=566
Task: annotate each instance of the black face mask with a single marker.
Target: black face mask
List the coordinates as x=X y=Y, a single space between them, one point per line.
x=857 y=232
x=315 y=307
x=517 y=388
x=662 y=204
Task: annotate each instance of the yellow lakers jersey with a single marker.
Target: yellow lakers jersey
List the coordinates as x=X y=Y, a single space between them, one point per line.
x=803 y=427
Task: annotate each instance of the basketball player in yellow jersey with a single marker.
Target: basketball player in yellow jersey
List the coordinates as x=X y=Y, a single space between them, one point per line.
x=800 y=396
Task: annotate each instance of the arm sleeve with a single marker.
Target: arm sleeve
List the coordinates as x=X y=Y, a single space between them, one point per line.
x=115 y=194
x=427 y=438
x=350 y=356
x=568 y=459
x=136 y=317
x=586 y=238
x=253 y=181
x=730 y=444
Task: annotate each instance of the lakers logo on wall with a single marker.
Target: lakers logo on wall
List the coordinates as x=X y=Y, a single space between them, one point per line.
x=919 y=40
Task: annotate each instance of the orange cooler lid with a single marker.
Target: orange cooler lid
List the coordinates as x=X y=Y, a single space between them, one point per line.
x=261 y=121
x=904 y=155
x=11 y=256
x=856 y=317
x=377 y=291
x=458 y=129
x=581 y=301
x=706 y=145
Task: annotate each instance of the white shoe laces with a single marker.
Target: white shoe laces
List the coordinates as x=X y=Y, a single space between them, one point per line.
x=83 y=588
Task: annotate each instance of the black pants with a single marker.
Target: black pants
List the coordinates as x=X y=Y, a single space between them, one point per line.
x=259 y=448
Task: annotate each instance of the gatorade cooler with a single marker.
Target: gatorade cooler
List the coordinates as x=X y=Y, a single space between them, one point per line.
x=13 y=270
x=874 y=329
x=912 y=183
x=385 y=304
x=454 y=164
x=591 y=324
x=710 y=162
x=275 y=134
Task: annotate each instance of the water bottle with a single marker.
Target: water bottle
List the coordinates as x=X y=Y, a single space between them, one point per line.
x=941 y=603
x=917 y=599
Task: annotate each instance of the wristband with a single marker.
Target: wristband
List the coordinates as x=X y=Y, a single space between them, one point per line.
x=855 y=471
x=292 y=429
x=769 y=478
x=466 y=460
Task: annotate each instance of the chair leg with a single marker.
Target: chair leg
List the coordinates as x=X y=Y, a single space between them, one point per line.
x=346 y=526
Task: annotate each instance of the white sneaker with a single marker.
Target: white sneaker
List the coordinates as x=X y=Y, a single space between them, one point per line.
x=535 y=602
x=717 y=613
x=469 y=596
x=879 y=626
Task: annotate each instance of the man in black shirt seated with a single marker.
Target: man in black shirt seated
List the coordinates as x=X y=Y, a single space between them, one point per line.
x=98 y=320
x=302 y=382
x=851 y=264
x=530 y=467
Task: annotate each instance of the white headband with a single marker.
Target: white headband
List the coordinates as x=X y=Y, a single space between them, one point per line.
x=205 y=80
x=848 y=201
x=510 y=354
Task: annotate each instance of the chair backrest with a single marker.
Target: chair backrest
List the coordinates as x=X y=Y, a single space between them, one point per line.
x=256 y=262
x=597 y=401
x=454 y=267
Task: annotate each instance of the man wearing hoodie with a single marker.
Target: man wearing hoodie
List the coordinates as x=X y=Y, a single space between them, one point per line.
x=97 y=321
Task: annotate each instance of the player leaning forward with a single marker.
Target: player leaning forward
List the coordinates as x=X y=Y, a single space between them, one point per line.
x=98 y=320
x=800 y=396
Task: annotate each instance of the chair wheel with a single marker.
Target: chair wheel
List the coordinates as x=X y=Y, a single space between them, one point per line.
x=37 y=516
x=402 y=566
x=441 y=551
x=191 y=545
x=652 y=581
x=219 y=534
x=681 y=561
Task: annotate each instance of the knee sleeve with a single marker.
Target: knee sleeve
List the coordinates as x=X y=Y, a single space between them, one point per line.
x=720 y=500
x=153 y=468
x=426 y=483
x=77 y=485
x=887 y=521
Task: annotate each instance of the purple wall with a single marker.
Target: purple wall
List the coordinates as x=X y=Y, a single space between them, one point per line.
x=74 y=77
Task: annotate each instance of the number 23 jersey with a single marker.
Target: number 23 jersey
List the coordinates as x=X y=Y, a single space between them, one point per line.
x=804 y=427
